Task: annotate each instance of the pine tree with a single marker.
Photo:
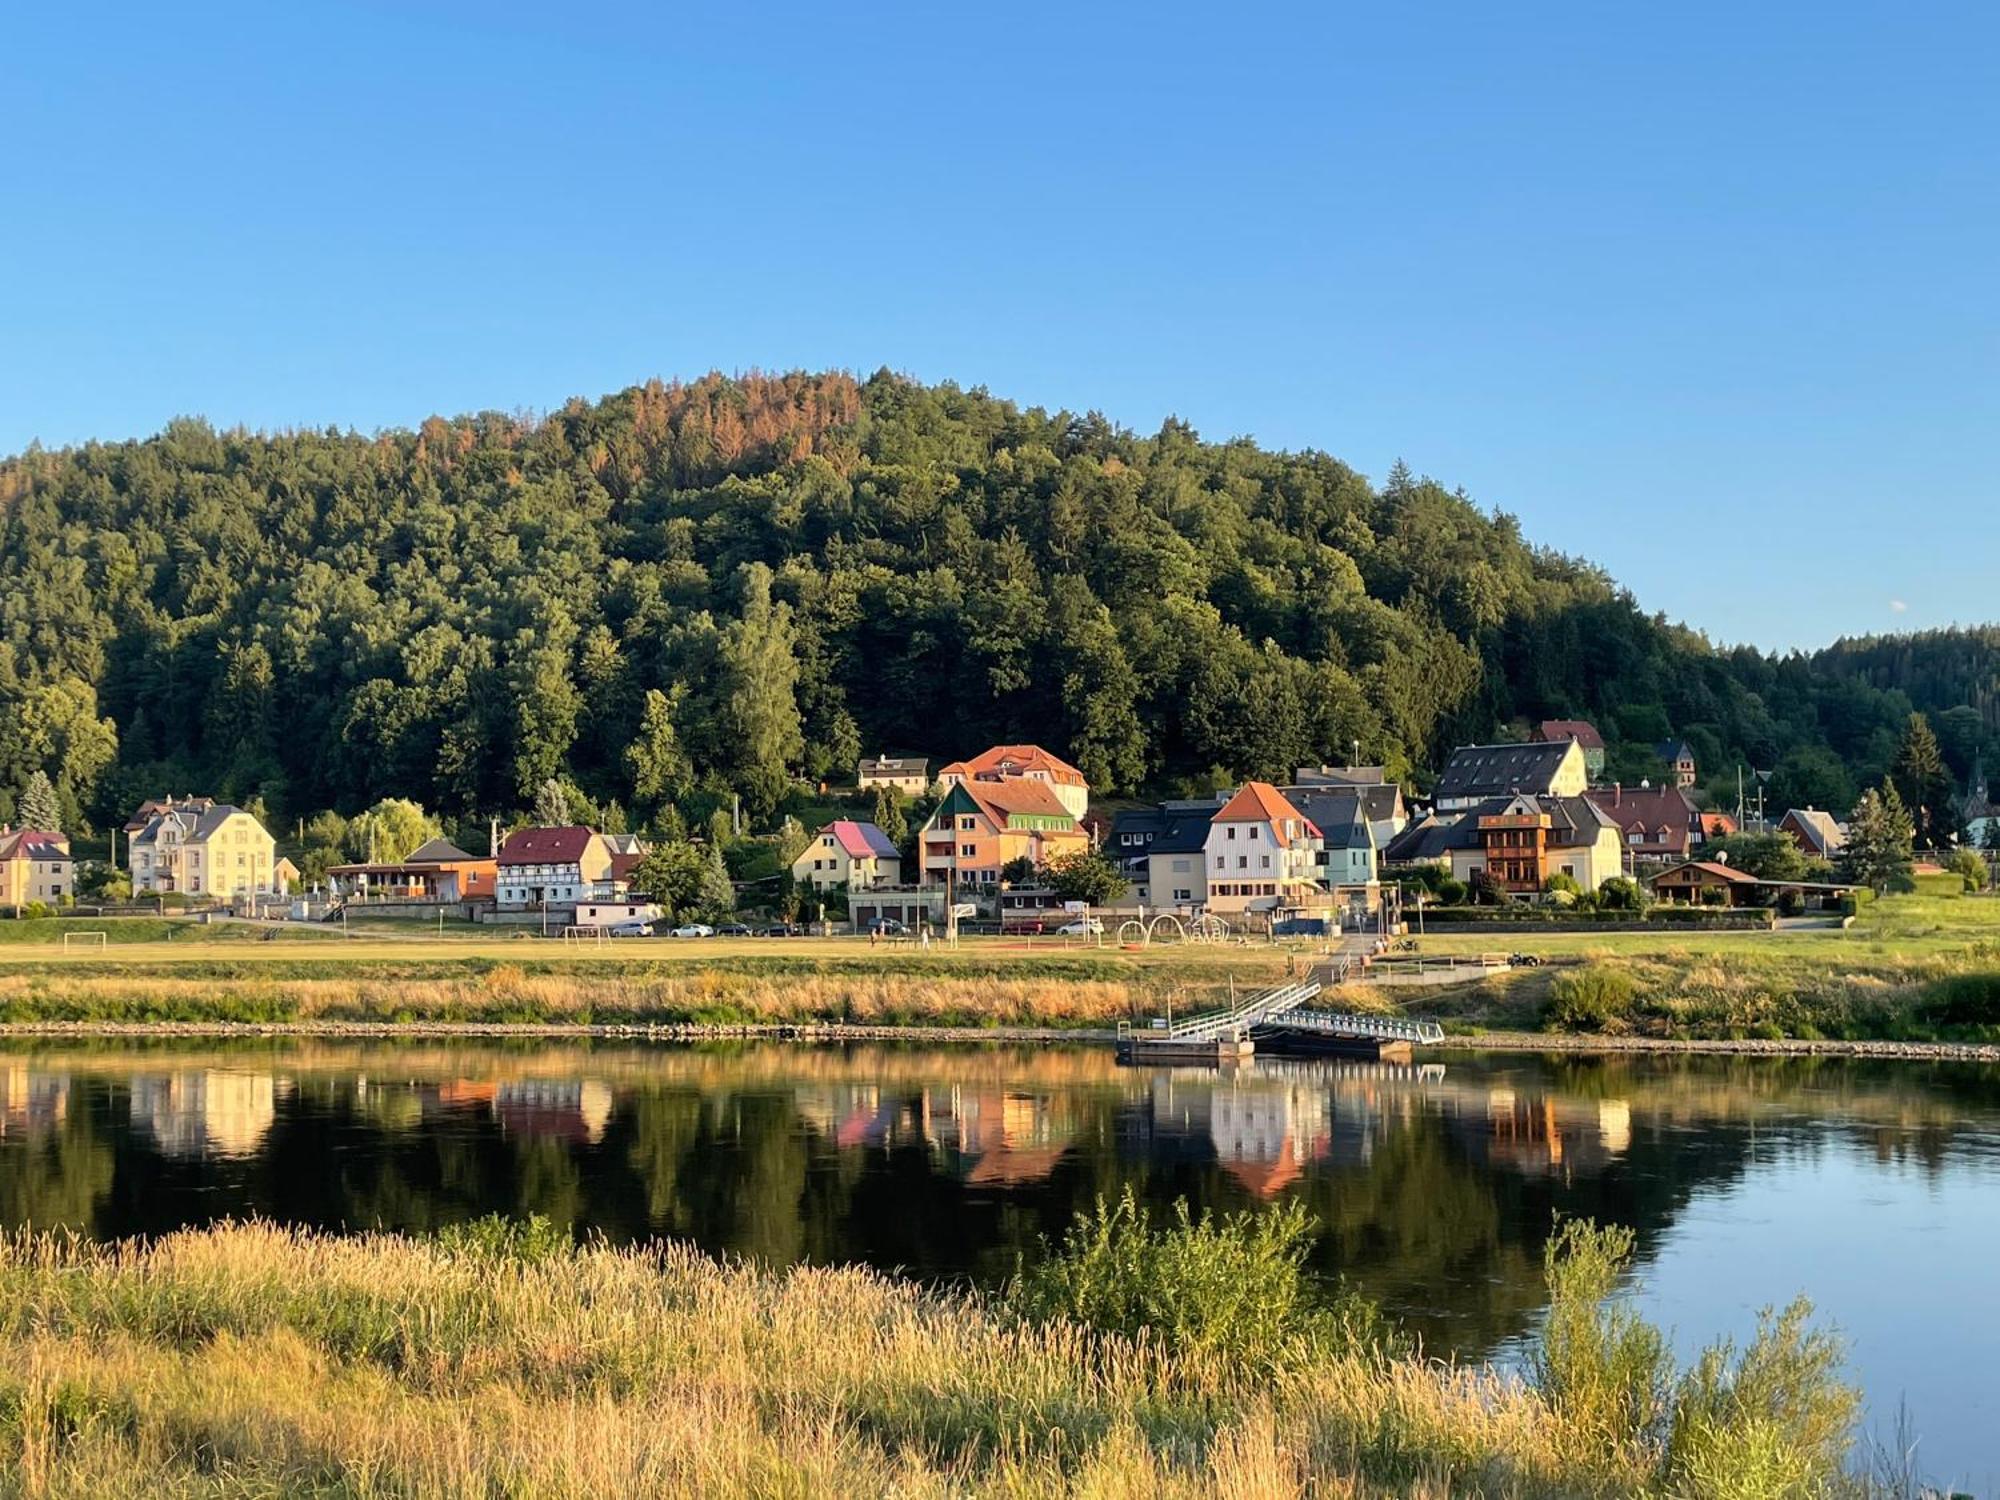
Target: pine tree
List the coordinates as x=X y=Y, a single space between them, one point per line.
x=38 y=808
x=889 y=814
x=1924 y=784
x=717 y=897
x=1878 y=839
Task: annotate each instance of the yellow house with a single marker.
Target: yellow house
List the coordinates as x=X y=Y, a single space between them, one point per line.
x=34 y=866
x=203 y=848
x=851 y=855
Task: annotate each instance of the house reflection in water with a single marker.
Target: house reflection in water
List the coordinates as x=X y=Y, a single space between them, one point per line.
x=574 y=1110
x=211 y=1113
x=32 y=1102
x=1544 y=1134
x=990 y=1137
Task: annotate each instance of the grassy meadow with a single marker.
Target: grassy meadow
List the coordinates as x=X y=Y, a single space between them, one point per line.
x=500 y=1360
x=1917 y=968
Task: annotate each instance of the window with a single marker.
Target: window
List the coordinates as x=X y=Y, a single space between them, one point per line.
x=1181 y=867
x=1181 y=894
x=1242 y=861
x=1264 y=861
x=967 y=851
x=1636 y=836
x=1252 y=834
x=967 y=824
x=1221 y=861
x=1232 y=833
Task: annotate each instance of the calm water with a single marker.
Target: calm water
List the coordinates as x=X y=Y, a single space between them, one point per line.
x=1874 y=1188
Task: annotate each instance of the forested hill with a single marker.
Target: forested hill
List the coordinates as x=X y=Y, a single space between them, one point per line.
x=725 y=583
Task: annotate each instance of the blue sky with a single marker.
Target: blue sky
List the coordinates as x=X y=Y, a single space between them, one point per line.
x=1706 y=293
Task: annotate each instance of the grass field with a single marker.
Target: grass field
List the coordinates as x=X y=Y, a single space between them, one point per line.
x=250 y=1360
x=1910 y=967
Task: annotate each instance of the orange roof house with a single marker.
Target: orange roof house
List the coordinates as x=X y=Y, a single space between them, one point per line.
x=1025 y=763
x=1262 y=853
x=983 y=826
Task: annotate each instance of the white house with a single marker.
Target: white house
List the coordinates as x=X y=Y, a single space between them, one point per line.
x=549 y=867
x=1261 y=853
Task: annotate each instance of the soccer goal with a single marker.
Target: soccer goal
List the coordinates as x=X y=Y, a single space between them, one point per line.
x=580 y=935
x=74 y=940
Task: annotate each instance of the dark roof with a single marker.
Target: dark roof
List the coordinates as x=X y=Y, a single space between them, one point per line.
x=1380 y=803
x=1673 y=750
x=1555 y=731
x=1818 y=826
x=437 y=851
x=546 y=846
x=1139 y=820
x=1342 y=776
x=895 y=765
x=1427 y=838
x=1185 y=833
x=1498 y=770
x=1341 y=816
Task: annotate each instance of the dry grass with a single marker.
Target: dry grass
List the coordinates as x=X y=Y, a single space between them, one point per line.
x=256 y=1361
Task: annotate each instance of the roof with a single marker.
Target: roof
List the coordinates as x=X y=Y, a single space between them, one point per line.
x=1713 y=868
x=1258 y=802
x=1429 y=838
x=438 y=851
x=1574 y=822
x=895 y=765
x=1340 y=815
x=1004 y=798
x=1187 y=833
x=1555 y=731
x=1380 y=802
x=1715 y=825
x=625 y=861
x=859 y=840
x=1496 y=770
x=153 y=805
x=546 y=846
x=1648 y=809
x=1016 y=760
x=1341 y=775
x=1139 y=820
x=1821 y=828
x=1673 y=750
x=32 y=843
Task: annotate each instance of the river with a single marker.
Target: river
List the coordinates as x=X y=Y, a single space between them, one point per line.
x=1873 y=1187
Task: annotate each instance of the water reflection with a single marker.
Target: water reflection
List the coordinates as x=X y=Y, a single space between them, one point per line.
x=1434 y=1185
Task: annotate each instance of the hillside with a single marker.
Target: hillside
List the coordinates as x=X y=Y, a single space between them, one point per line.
x=723 y=583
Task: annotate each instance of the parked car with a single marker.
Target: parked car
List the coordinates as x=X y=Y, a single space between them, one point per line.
x=1082 y=927
x=694 y=929
x=733 y=929
x=632 y=929
x=784 y=929
x=888 y=927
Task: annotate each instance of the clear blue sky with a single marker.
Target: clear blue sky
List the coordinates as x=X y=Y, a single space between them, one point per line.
x=1707 y=293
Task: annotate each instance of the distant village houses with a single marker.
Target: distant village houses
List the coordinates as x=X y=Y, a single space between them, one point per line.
x=35 y=865
x=848 y=855
x=908 y=774
x=200 y=847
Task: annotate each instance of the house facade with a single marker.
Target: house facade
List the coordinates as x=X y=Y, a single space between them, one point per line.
x=983 y=826
x=908 y=774
x=1349 y=854
x=35 y=865
x=1522 y=841
x=1555 y=731
x=1023 y=763
x=553 y=867
x=848 y=855
x=1262 y=853
x=201 y=847
x=1177 y=862
x=1479 y=773
x=437 y=870
x=1705 y=882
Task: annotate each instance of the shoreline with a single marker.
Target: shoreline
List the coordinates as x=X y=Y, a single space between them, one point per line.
x=830 y=1032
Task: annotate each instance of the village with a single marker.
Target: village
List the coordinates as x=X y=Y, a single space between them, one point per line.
x=1008 y=841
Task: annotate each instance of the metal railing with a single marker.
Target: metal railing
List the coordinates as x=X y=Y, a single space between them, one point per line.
x=1339 y=1023
x=1216 y=1025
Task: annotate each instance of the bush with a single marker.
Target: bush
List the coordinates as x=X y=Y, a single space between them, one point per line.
x=1600 y=1365
x=1562 y=883
x=1790 y=903
x=36 y=909
x=1451 y=892
x=1589 y=999
x=1488 y=891
x=1970 y=866
x=496 y=1237
x=1962 y=1000
x=1621 y=893
x=1232 y=1288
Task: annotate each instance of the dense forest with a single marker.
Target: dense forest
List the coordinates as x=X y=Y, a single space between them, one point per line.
x=690 y=590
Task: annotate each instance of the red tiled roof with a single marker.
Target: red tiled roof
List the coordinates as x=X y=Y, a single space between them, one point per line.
x=1259 y=802
x=1014 y=794
x=30 y=843
x=546 y=846
x=1016 y=760
x=1555 y=731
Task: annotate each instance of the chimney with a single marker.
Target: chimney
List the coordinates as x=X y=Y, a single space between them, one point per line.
x=1617 y=793
x=493 y=838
